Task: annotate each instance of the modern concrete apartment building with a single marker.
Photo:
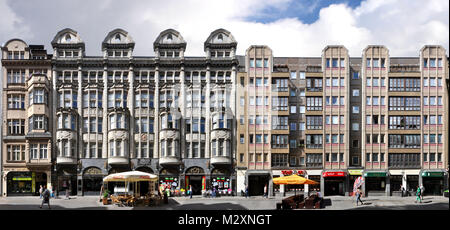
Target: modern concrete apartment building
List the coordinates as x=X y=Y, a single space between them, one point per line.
x=374 y=116
x=222 y=120
x=26 y=131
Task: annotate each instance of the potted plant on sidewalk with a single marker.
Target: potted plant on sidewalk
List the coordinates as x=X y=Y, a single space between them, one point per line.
x=105 y=197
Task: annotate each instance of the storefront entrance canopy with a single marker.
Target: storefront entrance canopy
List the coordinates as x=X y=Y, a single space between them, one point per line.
x=375 y=174
x=432 y=174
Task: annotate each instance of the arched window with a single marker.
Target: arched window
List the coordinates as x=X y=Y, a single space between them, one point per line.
x=117 y=38
x=220 y=37
x=68 y=38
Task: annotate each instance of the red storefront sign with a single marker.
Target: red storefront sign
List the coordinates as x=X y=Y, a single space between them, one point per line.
x=290 y=172
x=333 y=174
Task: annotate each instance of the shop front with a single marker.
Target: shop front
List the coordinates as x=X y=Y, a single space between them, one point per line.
x=195 y=177
x=352 y=175
x=92 y=181
x=67 y=181
x=144 y=186
x=289 y=190
x=375 y=183
x=222 y=181
x=314 y=187
x=334 y=182
x=170 y=178
x=396 y=182
x=433 y=182
x=20 y=184
x=412 y=181
x=257 y=180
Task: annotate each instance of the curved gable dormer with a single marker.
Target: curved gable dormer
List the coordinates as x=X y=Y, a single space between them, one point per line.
x=15 y=49
x=169 y=44
x=220 y=43
x=68 y=43
x=118 y=43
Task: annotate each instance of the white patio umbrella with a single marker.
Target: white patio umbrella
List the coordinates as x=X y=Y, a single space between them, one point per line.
x=130 y=176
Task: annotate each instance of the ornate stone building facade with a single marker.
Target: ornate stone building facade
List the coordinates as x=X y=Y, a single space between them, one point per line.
x=221 y=120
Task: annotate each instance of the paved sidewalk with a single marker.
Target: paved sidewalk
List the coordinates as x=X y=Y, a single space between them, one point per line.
x=229 y=203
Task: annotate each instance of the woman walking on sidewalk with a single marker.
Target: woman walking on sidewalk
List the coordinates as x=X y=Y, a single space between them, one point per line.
x=358 y=197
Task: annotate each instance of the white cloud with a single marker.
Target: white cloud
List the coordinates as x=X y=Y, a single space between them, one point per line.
x=11 y=25
x=403 y=26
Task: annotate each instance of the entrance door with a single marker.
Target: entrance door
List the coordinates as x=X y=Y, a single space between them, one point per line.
x=92 y=185
x=433 y=185
x=256 y=184
x=196 y=183
x=334 y=187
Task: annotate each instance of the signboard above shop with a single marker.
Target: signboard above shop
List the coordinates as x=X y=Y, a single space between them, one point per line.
x=432 y=174
x=333 y=174
x=375 y=174
x=290 y=172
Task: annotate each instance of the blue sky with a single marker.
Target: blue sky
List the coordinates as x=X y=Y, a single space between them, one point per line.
x=306 y=11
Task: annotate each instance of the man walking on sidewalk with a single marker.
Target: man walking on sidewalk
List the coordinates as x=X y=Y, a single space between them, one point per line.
x=46 y=196
x=418 y=195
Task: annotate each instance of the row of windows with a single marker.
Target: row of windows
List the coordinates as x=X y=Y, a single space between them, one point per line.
x=375 y=139
x=375 y=119
x=16 y=101
x=15 y=152
x=195 y=150
x=375 y=101
x=404 y=84
x=431 y=62
x=404 y=103
x=335 y=100
x=334 y=157
x=16 y=76
x=16 y=54
x=68 y=53
x=404 y=141
x=432 y=82
x=375 y=62
x=38 y=151
x=431 y=139
x=375 y=82
x=373 y=157
x=432 y=100
x=404 y=122
x=333 y=138
x=258 y=63
x=402 y=160
x=335 y=82
x=143 y=149
x=92 y=150
x=333 y=62
x=334 y=119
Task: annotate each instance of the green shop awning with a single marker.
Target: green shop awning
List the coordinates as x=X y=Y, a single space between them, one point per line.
x=432 y=174
x=375 y=174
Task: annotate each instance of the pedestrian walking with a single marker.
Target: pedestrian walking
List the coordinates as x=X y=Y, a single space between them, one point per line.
x=418 y=194
x=422 y=190
x=265 y=191
x=46 y=197
x=40 y=191
x=166 y=196
x=402 y=189
x=246 y=191
x=190 y=191
x=358 y=197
